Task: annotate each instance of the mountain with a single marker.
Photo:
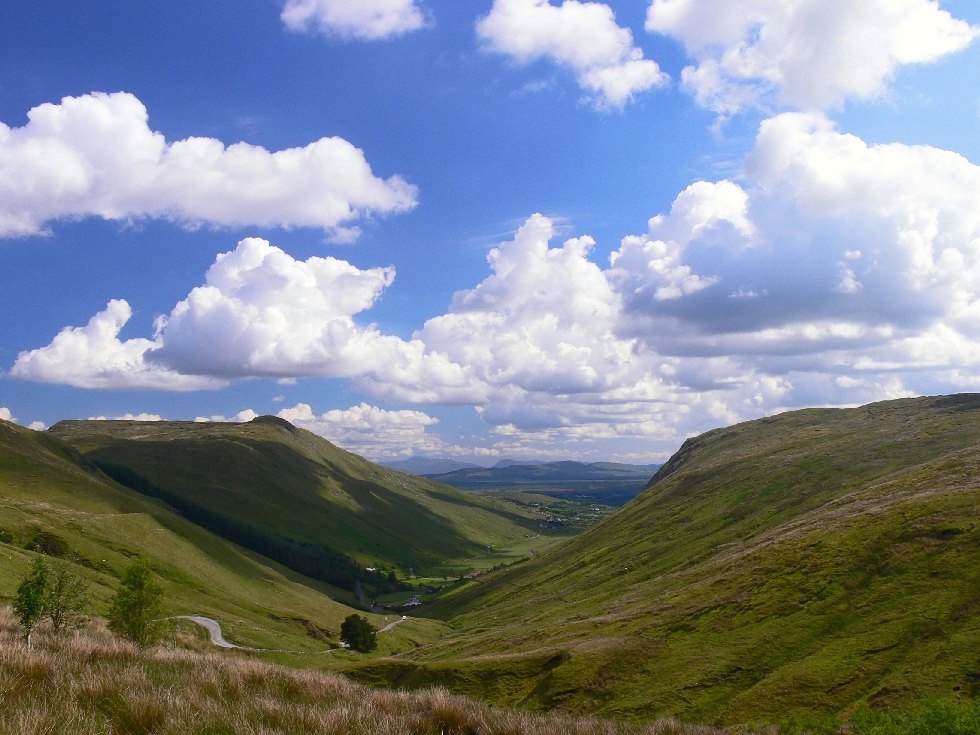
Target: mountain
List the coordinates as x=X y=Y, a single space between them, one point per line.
x=426 y=465
x=56 y=501
x=523 y=462
x=295 y=497
x=804 y=564
x=602 y=482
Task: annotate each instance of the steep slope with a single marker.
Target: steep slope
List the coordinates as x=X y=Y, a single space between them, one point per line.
x=51 y=498
x=295 y=496
x=798 y=564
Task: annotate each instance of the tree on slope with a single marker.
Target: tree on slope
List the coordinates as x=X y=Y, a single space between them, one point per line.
x=65 y=597
x=30 y=604
x=136 y=611
x=358 y=633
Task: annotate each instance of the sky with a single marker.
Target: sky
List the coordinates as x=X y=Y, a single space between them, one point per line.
x=486 y=229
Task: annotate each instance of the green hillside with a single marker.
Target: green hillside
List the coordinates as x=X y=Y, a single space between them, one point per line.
x=296 y=497
x=804 y=565
x=52 y=499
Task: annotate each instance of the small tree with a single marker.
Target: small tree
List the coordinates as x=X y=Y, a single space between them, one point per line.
x=358 y=633
x=136 y=612
x=30 y=603
x=66 y=597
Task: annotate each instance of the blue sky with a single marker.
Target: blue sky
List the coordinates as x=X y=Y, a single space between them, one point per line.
x=510 y=228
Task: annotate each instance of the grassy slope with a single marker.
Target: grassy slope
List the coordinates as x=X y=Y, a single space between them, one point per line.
x=288 y=480
x=804 y=563
x=91 y=683
x=46 y=486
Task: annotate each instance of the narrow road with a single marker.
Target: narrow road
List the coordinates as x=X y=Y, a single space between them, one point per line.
x=391 y=625
x=214 y=632
x=213 y=628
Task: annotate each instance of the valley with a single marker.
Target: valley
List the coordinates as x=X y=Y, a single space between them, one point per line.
x=812 y=564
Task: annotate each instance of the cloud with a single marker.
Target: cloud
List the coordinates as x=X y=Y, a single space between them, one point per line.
x=241 y=417
x=129 y=417
x=581 y=36
x=262 y=313
x=369 y=430
x=368 y=20
x=842 y=269
x=93 y=356
x=807 y=54
x=5 y=415
x=95 y=155
x=830 y=272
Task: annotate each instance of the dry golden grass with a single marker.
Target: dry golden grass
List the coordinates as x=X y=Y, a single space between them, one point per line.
x=91 y=682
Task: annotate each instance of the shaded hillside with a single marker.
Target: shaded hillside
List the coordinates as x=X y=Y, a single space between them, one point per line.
x=292 y=495
x=55 y=501
x=804 y=563
x=604 y=482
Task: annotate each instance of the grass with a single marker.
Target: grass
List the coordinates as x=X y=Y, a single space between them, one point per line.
x=806 y=565
x=47 y=490
x=819 y=569
x=93 y=683
x=294 y=485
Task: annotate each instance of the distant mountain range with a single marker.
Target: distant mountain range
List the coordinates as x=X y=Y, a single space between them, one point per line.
x=426 y=465
x=602 y=482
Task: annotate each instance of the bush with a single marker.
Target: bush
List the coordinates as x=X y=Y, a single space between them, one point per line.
x=359 y=634
x=136 y=612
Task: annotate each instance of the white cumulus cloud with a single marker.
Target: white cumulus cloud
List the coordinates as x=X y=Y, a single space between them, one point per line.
x=6 y=415
x=808 y=54
x=260 y=312
x=846 y=271
x=369 y=430
x=241 y=417
x=95 y=155
x=93 y=356
x=830 y=272
x=364 y=19
x=581 y=36
x=142 y=416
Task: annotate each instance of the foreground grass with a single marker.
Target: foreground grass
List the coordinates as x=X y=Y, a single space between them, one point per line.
x=94 y=683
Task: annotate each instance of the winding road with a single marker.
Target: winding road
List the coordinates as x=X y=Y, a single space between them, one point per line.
x=214 y=632
x=213 y=628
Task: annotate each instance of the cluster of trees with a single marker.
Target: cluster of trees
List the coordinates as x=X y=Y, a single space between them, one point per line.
x=55 y=592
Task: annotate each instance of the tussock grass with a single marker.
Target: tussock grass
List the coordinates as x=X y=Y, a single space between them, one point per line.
x=91 y=682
